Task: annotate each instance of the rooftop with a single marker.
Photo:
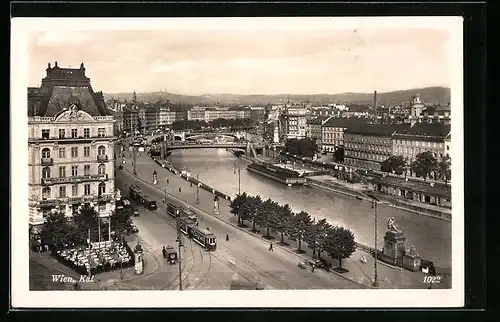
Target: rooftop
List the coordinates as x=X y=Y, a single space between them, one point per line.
x=343 y=122
x=425 y=129
x=317 y=120
x=418 y=186
x=372 y=129
x=62 y=88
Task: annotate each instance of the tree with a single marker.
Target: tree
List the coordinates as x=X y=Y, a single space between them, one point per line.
x=249 y=207
x=443 y=168
x=425 y=163
x=57 y=230
x=301 y=147
x=299 y=225
x=396 y=163
x=340 y=243
x=121 y=220
x=284 y=215
x=236 y=204
x=263 y=215
x=315 y=236
x=338 y=155
x=86 y=219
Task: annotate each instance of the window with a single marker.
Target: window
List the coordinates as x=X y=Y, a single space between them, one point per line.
x=46 y=153
x=101 y=132
x=74 y=152
x=74 y=133
x=74 y=170
x=46 y=193
x=46 y=172
x=86 y=169
x=101 y=169
x=74 y=190
x=102 y=188
x=62 y=192
x=62 y=153
x=45 y=134
x=86 y=189
x=62 y=172
x=86 y=151
x=86 y=133
x=62 y=133
x=101 y=150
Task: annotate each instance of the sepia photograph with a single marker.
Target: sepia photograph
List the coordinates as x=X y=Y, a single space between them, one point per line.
x=237 y=162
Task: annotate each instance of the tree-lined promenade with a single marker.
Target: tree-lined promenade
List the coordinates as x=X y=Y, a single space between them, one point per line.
x=337 y=242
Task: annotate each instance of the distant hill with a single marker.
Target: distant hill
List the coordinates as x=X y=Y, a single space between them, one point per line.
x=432 y=95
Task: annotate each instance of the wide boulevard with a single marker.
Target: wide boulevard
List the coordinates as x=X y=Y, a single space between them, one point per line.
x=244 y=259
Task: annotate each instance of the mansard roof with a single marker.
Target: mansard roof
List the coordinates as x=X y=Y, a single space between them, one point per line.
x=62 y=88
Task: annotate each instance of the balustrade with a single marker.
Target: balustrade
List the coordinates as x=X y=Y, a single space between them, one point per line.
x=74 y=179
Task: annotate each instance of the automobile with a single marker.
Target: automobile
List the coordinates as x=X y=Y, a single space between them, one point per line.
x=133 y=229
x=135 y=211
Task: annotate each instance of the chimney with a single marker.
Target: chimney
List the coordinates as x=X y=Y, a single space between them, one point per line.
x=375 y=100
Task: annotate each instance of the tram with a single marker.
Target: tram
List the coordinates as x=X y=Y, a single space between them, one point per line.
x=135 y=193
x=204 y=237
x=176 y=211
x=186 y=225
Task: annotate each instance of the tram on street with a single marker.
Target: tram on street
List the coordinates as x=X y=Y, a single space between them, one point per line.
x=136 y=194
x=177 y=211
x=186 y=226
x=204 y=238
x=173 y=210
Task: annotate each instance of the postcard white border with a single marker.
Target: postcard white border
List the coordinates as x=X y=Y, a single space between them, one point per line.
x=22 y=297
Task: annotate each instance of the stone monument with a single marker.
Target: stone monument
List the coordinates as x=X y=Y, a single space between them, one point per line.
x=394 y=244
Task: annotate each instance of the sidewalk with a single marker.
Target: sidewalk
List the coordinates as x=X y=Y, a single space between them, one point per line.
x=358 y=272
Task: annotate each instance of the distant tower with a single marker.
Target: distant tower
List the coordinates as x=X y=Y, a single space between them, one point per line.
x=135 y=97
x=416 y=106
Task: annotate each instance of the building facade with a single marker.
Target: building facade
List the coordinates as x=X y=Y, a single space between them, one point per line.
x=332 y=132
x=70 y=146
x=294 y=123
x=366 y=146
x=421 y=137
x=130 y=118
x=314 y=130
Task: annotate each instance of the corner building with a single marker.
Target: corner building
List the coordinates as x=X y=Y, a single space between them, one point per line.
x=70 y=145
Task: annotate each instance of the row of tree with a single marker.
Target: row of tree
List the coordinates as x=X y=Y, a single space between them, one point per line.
x=59 y=229
x=181 y=125
x=425 y=166
x=337 y=242
x=301 y=147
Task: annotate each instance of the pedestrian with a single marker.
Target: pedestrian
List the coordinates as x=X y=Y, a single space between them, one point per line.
x=227 y=237
x=313 y=268
x=168 y=181
x=271 y=246
x=180 y=190
x=164 y=251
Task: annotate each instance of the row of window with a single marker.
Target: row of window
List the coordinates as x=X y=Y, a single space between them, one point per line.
x=75 y=191
x=333 y=135
x=418 y=143
x=101 y=132
x=363 y=164
x=369 y=148
x=46 y=172
x=369 y=139
x=101 y=150
x=363 y=155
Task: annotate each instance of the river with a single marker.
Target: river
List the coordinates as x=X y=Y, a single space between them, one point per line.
x=218 y=168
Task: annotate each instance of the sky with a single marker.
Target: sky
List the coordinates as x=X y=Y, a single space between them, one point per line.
x=280 y=61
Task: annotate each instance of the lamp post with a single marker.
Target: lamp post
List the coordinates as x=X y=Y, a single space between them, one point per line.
x=197 y=201
x=375 y=274
x=135 y=162
x=179 y=240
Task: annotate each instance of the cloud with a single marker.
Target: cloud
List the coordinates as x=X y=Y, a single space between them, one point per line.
x=61 y=37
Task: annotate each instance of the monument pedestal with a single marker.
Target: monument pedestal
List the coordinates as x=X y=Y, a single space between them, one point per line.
x=394 y=248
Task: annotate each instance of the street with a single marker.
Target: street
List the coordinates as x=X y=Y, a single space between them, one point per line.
x=244 y=257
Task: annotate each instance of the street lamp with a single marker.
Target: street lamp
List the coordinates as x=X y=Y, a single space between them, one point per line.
x=179 y=240
x=197 y=201
x=374 y=206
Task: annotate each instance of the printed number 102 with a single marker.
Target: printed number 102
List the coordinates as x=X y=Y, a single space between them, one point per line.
x=432 y=279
